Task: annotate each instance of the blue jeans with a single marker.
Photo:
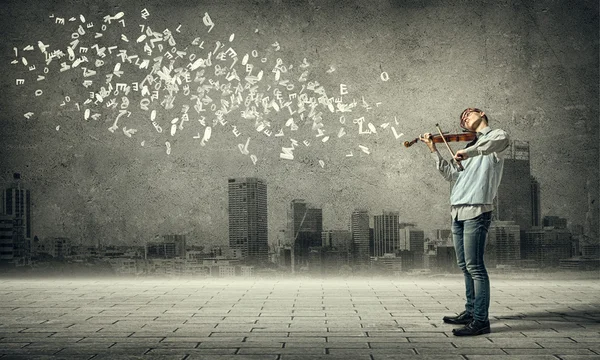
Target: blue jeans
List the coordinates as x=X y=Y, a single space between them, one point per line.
x=469 y=242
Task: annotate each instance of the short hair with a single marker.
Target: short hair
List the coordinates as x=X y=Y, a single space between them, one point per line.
x=466 y=112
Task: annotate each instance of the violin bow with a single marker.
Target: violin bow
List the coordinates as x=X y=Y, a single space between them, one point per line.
x=457 y=162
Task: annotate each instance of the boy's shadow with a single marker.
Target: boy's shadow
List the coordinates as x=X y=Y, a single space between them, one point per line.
x=556 y=319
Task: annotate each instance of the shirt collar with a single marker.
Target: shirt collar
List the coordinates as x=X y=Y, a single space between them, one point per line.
x=484 y=131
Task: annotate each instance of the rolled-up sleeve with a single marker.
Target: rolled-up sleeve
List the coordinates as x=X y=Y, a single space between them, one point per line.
x=446 y=169
x=496 y=141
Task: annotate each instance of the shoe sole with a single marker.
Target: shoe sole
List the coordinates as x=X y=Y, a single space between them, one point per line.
x=480 y=332
x=465 y=322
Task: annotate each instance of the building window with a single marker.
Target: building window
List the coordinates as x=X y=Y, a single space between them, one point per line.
x=8 y=203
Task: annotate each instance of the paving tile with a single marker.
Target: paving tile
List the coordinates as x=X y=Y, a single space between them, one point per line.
x=232 y=357
x=45 y=357
x=357 y=333
x=346 y=339
x=549 y=351
x=568 y=345
x=340 y=345
x=139 y=357
x=420 y=357
x=32 y=350
x=524 y=343
x=249 y=334
x=12 y=345
x=510 y=357
x=212 y=351
x=276 y=350
x=408 y=345
x=553 y=340
x=324 y=357
x=351 y=353
x=99 y=334
x=235 y=344
x=462 y=351
x=297 y=339
x=126 y=340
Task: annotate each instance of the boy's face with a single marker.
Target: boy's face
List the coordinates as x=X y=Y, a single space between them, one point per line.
x=471 y=120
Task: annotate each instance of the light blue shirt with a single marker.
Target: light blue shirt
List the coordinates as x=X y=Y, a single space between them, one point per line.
x=476 y=186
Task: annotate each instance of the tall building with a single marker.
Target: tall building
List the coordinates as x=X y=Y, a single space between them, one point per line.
x=172 y=246
x=58 y=247
x=337 y=239
x=388 y=264
x=248 y=232
x=179 y=244
x=590 y=250
x=284 y=258
x=536 y=207
x=305 y=225
x=444 y=234
x=445 y=259
x=503 y=245
x=283 y=250
x=16 y=203
x=515 y=200
x=337 y=246
x=359 y=226
x=7 y=248
x=554 y=221
x=410 y=260
x=413 y=240
x=547 y=246
x=386 y=233
x=371 y=241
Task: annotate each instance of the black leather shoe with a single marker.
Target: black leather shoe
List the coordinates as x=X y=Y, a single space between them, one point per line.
x=472 y=329
x=461 y=319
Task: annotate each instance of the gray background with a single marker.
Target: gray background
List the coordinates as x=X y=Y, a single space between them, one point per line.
x=533 y=66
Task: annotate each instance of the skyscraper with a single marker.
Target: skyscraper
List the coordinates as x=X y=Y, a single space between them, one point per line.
x=547 y=246
x=515 y=201
x=7 y=247
x=555 y=221
x=16 y=203
x=172 y=246
x=359 y=225
x=413 y=239
x=248 y=219
x=386 y=229
x=337 y=239
x=536 y=211
x=444 y=234
x=503 y=245
x=305 y=224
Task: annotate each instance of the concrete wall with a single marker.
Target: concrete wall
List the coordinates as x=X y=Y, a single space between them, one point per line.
x=406 y=65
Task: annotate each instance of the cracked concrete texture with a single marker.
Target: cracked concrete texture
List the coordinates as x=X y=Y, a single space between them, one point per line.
x=292 y=319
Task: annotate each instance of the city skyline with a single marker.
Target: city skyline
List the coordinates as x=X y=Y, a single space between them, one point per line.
x=391 y=245
x=284 y=225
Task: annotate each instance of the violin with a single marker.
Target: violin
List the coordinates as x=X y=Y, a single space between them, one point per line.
x=446 y=138
x=466 y=136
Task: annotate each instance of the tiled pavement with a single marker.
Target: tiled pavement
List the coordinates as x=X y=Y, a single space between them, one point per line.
x=292 y=319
